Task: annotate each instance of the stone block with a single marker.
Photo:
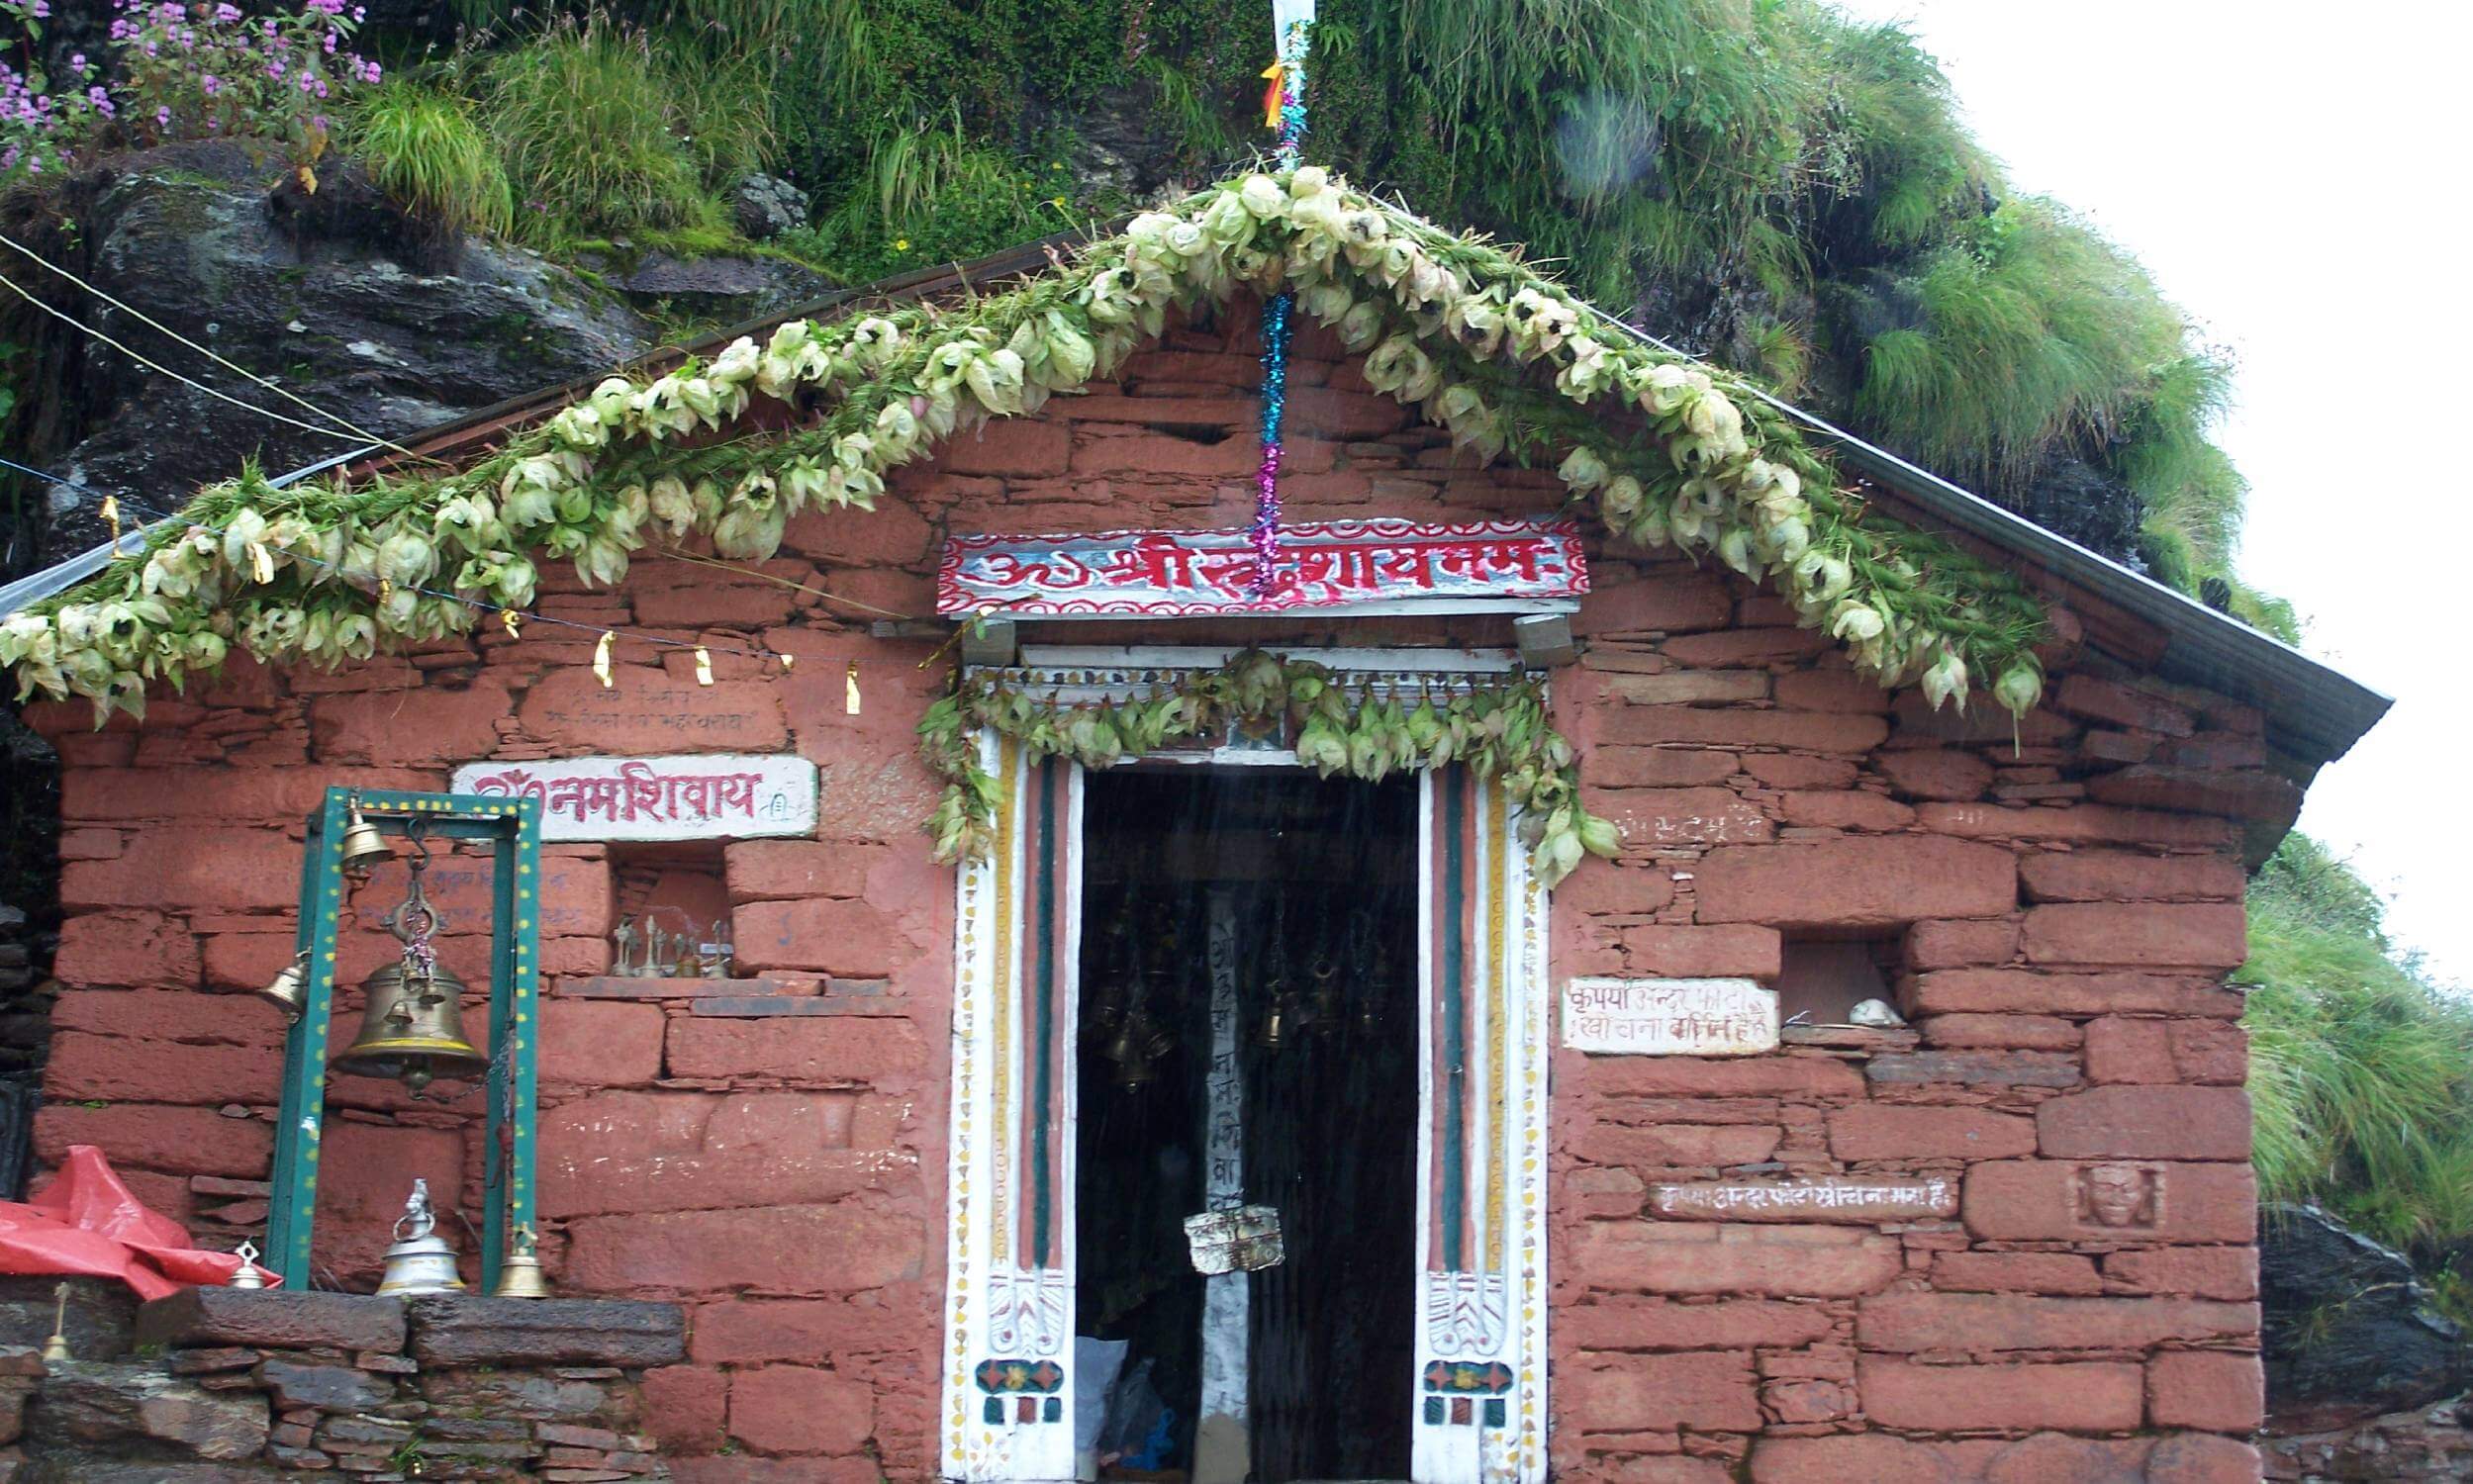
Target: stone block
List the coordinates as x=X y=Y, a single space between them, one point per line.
x=599 y=1044
x=1617 y=1322
x=1871 y=881
x=838 y=1050
x=687 y=1408
x=770 y=869
x=2091 y=1397
x=109 y=1069
x=2249 y=795
x=1689 y=687
x=2114 y=704
x=2138 y=934
x=2197 y=1458
x=1799 y=731
x=797 y=1411
x=847 y=939
x=1614 y=888
x=1711 y=1390
x=1885 y=1130
x=842 y=1247
x=1665 y=603
x=2016 y=1272
x=1962 y=944
x=1661 y=767
x=2126 y=875
x=1662 y=818
x=1677 y=1143
x=429 y=724
x=676 y=1151
x=2197 y=1052
x=464 y=1330
x=1768 y=1262
x=1787 y=770
x=2004 y=1067
x=2149 y=1123
x=272 y=1320
x=125 y=949
x=2019 y=991
x=155 y=1136
x=2092 y=824
x=1801 y=1078
x=1856 y=810
x=2210 y=1391
x=2212 y=1273
x=91 y=1406
x=194 y=867
x=647 y=713
x=1911 y=1323
x=534 y=1396
x=1935 y=772
x=328 y=1388
x=1729 y=951
x=2055 y=1200
x=1830 y=690
x=1965 y=1031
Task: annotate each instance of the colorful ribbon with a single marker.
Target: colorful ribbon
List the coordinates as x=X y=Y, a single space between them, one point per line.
x=1284 y=108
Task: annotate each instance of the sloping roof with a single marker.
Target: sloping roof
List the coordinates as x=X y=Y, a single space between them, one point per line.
x=2315 y=712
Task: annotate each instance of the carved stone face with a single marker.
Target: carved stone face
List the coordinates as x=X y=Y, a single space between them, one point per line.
x=2118 y=1195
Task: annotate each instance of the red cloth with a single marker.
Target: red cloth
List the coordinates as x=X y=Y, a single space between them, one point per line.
x=85 y=1221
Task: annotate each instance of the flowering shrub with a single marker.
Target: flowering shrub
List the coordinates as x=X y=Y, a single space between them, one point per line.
x=205 y=70
x=43 y=118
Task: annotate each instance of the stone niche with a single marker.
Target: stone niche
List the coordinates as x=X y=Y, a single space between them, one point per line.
x=231 y=1386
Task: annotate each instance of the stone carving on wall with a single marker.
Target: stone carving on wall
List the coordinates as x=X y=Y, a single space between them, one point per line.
x=2121 y=1196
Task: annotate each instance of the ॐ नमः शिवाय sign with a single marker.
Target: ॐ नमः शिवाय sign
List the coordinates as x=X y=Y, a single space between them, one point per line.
x=1669 y=1017
x=700 y=796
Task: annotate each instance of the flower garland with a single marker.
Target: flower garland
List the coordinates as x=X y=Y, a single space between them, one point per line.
x=1669 y=453
x=1499 y=728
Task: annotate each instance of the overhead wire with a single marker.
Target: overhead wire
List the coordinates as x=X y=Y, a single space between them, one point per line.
x=190 y=380
x=208 y=351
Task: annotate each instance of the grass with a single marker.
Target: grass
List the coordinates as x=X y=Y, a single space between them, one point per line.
x=2361 y=1072
x=423 y=147
x=611 y=131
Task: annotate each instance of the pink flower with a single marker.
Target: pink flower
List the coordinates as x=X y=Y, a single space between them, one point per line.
x=162 y=118
x=211 y=83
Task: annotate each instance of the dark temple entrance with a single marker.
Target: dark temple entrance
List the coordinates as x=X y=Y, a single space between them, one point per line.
x=1294 y=900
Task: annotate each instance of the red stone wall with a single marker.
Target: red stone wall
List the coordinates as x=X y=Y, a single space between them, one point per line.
x=775 y=1161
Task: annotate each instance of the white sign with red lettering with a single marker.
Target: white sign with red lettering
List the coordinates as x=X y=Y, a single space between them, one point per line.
x=699 y=797
x=1669 y=1017
x=1354 y=565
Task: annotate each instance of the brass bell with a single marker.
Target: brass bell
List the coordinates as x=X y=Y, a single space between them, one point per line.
x=362 y=847
x=289 y=991
x=421 y=1261
x=246 y=1275
x=519 y=1274
x=412 y=1028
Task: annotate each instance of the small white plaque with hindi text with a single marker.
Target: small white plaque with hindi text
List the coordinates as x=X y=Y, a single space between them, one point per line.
x=1669 y=1017
x=696 y=796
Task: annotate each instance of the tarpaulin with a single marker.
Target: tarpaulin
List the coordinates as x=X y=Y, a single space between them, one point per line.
x=86 y=1223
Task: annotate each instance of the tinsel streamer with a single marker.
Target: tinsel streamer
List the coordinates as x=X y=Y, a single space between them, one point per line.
x=1288 y=76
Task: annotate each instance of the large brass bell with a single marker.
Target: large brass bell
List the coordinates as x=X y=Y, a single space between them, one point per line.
x=289 y=991
x=412 y=1025
x=362 y=847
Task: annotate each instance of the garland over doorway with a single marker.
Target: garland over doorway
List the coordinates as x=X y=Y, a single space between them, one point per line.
x=1668 y=454
x=1497 y=726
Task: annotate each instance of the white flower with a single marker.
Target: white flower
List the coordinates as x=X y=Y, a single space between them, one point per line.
x=1308 y=182
x=2019 y=686
x=1262 y=196
x=1855 y=621
x=736 y=363
x=1582 y=469
x=579 y=426
x=1945 y=679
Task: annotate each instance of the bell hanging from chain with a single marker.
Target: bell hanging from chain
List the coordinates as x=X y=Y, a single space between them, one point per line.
x=519 y=1274
x=412 y=1025
x=421 y=1261
x=289 y=991
x=361 y=847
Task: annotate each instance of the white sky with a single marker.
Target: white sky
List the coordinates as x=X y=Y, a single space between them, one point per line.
x=2293 y=176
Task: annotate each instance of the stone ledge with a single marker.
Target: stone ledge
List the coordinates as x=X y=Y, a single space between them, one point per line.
x=618 y=986
x=272 y=1318
x=468 y=1329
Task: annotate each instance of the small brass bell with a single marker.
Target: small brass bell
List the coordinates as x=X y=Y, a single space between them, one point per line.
x=56 y=1348
x=421 y=1261
x=246 y=1275
x=519 y=1274
x=289 y=991
x=361 y=847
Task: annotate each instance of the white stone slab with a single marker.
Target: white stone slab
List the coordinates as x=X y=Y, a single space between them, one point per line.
x=1669 y=1017
x=698 y=796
